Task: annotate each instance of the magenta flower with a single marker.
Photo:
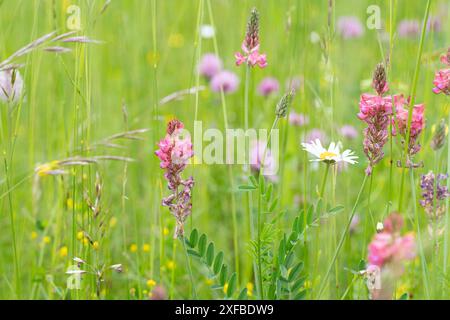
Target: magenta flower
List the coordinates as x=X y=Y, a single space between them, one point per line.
x=389 y=247
x=268 y=86
x=408 y=28
x=375 y=110
x=250 y=45
x=210 y=65
x=417 y=122
x=298 y=119
x=174 y=152
x=349 y=132
x=226 y=81
x=442 y=77
x=350 y=27
x=251 y=57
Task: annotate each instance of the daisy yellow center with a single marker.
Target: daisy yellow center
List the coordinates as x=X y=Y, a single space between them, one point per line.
x=326 y=155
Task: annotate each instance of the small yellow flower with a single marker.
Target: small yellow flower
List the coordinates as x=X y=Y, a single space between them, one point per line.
x=225 y=288
x=146 y=247
x=209 y=282
x=80 y=235
x=152 y=57
x=85 y=241
x=113 y=222
x=46 y=240
x=134 y=248
x=34 y=235
x=176 y=40
x=308 y=284
x=69 y=203
x=249 y=289
x=63 y=251
x=165 y=231
x=151 y=283
x=170 y=265
x=47 y=168
x=95 y=245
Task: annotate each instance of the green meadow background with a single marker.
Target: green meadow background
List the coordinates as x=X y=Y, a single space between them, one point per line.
x=148 y=50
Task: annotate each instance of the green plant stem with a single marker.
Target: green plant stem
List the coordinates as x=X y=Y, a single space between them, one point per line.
x=188 y=262
x=419 y=236
x=325 y=176
x=230 y=170
x=413 y=98
x=446 y=233
x=341 y=241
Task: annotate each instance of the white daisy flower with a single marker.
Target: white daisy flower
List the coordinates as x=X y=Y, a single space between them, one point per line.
x=331 y=155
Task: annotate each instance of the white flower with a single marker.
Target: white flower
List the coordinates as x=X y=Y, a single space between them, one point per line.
x=331 y=155
x=207 y=31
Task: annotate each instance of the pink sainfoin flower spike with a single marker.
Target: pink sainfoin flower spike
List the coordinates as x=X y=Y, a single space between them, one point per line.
x=389 y=247
x=375 y=110
x=174 y=152
x=442 y=77
x=250 y=45
x=417 y=123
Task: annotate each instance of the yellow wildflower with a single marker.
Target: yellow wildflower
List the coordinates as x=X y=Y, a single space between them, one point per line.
x=170 y=265
x=151 y=283
x=146 y=247
x=225 y=288
x=250 y=289
x=63 y=251
x=133 y=248
x=176 y=40
x=34 y=235
x=95 y=245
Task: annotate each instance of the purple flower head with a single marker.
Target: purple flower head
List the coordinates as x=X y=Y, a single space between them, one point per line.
x=268 y=86
x=408 y=28
x=349 y=132
x=350 y=27
x=210 y=65
x=298 y=119
x=226 y=81
x=316 y=134
x=433 y=194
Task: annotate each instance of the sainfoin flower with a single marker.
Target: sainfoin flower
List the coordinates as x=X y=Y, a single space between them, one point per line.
x=226 y=81
x=250 y=45
x=434 y=191
x=267 y=86
x=401 y=119
x=350 y=27
x=375 y=110
x=442 y=77
x=11 y=85
x=209 y=65
x=174 y=152
x=331 y=155
x=389 y=247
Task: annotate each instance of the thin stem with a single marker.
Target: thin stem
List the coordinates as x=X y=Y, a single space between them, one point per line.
x=421 y=251
x=446 y=233
x=341 y=241
x=413 y=95
x=322 y=188
x=230 y=170
x=188 y=262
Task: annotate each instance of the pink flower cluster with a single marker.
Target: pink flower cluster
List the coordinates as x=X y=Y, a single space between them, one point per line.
x=417 y=122
x=267 y=86
x=375 y=110
x=442 y=77
x=350 y=27
x=174 y=152
x=389 y=247
x=251 y=56
x=210 y=67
